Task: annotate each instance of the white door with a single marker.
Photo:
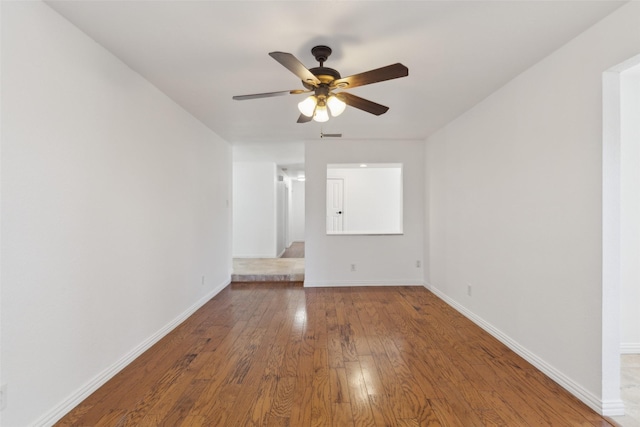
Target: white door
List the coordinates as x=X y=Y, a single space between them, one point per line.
x=286 y=216
x=335 y=204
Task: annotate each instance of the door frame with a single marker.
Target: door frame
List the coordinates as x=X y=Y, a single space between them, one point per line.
x=612 y=404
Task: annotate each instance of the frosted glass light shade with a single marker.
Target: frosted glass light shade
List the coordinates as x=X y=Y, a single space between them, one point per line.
x=336 y=106
x=307 y=106
x=321 y=115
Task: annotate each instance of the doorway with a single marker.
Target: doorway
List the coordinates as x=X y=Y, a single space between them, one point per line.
x=621 y=242
x=285 y=261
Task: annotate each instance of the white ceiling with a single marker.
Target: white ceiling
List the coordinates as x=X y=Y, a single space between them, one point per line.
x=201 y=53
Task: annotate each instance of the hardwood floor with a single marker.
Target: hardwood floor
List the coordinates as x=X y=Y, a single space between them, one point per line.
x=283 y=355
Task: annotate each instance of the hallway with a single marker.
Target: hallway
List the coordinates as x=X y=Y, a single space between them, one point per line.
x=288 y=268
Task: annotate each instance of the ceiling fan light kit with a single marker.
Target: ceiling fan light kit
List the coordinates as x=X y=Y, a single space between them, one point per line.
x=308 y=106
x=322 y=81
x=316 y=107
x=321 y=114
x=336 y=105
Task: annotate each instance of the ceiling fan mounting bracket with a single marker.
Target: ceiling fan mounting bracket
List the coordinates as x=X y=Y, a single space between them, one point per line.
x=321 y=53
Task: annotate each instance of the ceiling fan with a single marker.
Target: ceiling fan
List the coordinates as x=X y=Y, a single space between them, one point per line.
x=323 y=81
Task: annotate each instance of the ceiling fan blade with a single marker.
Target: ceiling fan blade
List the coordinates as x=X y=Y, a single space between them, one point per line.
x=269 y=94
x=304 y=119
x=362 y=104
x=389 y=72
x=292 y=64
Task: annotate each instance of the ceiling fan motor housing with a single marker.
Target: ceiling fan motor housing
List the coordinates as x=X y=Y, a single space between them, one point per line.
x=325 y=74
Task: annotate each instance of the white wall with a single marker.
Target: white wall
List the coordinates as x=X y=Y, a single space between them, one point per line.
x=282 y=154
x=297 y=211
x=254 y=210
x=114 y=206
x=260 y=223
x=630 y=211
x=380 y=260
x=515 y=208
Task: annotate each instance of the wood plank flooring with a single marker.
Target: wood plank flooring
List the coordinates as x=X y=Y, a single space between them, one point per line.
x=281 y=355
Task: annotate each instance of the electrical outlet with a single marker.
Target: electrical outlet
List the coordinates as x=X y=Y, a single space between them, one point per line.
x=3 y=397
x=353 y=267
x=418 y=264
x=469 y=289
x=202 y=283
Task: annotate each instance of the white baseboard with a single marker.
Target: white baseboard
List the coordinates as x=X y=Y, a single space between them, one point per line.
x=613 y=408
x=630 y=348
x=99 y=380
x=609 y=408
x=348 y=283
